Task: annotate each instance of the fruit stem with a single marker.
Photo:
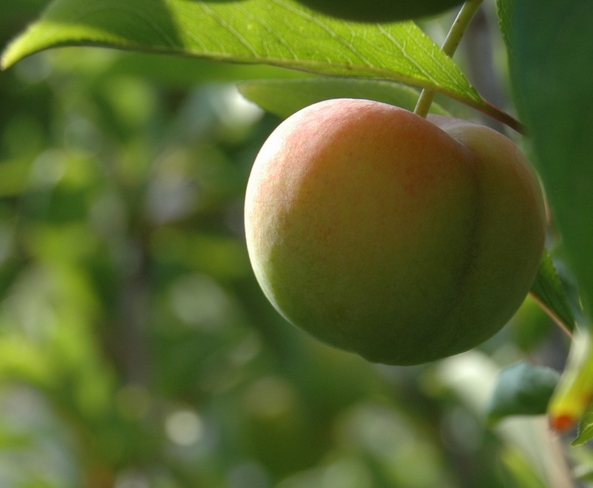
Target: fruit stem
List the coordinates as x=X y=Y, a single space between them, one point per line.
x=464 y=18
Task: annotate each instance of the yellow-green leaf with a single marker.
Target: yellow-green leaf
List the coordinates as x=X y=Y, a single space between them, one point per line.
x=276 y=32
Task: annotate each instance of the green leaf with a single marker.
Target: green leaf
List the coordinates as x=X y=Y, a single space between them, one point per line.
x=522 y=389
x=285 y=97
x=548 y=291
x=276 y=32
x=585 y=432
x=550 y=44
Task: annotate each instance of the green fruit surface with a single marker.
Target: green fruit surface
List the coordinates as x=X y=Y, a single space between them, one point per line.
x=381 y=10
x=402 y=239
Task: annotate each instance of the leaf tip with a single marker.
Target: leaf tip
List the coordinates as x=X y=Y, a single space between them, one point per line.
x=9 y=57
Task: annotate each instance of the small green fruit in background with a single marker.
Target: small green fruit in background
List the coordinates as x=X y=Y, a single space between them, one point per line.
x=380 y=10
x=403 y=239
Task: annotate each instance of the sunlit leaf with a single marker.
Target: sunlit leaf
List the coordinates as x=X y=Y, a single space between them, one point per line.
x=276 y=32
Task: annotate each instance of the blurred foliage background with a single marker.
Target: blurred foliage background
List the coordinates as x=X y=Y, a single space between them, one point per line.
x=136 y=349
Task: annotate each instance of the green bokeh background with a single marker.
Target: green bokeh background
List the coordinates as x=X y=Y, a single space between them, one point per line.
x=136 y=349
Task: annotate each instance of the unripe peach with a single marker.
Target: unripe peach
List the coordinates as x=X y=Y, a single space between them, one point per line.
x=403 y=239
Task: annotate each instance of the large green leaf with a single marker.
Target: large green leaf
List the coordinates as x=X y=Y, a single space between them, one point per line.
x=550 y=48
x=276 y=32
